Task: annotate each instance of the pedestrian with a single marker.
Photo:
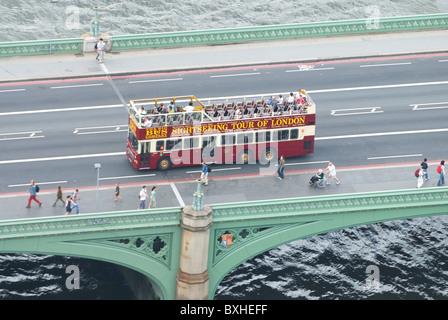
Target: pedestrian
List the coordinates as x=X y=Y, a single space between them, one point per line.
x=142 y=195
x=76 y=199
x=331 y=170
x=117 y=192
x=152 y=200
x=281 y=167
x=421 y=173
x=100 y=47
x=204 y=174
x=69 y=204
x=424 y=166
x=441 y=172
x=33 y=190
x=59 y=196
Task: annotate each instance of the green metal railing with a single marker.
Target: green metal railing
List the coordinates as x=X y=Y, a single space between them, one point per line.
x=235 y=35
x=88 y=223
x=24 y=48
x=277 y=32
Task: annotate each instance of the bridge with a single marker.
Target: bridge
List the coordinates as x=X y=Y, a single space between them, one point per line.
x=158 y=243
x=187 y=251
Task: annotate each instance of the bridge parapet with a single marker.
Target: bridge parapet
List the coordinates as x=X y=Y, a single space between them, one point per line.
x=89 y=223
x=329 y=204
x=233 y=35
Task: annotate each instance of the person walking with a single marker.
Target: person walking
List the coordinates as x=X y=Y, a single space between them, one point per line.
x=421 y=173
x=331 y=170
x=117 y=192
x=281 y=167
x=33 y=190
x=204 y=174
x=69 y=205
x=59 y=196
x=424 y=166
x=142 y=195
x=76 y=199
x=100 y=49
x=152 y=201
x=441 y=172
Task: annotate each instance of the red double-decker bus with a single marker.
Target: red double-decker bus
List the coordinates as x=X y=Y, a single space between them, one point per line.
x=182 y=131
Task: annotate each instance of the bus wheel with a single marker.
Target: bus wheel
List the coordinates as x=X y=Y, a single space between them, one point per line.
x=267 y=156
x=164 y=164
x=244 y=157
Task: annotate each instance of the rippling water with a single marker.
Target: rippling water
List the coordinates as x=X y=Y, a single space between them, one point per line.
x=411 y=255
x=31 y=20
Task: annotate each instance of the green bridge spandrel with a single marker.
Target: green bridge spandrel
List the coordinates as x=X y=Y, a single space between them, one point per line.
x=257 y=226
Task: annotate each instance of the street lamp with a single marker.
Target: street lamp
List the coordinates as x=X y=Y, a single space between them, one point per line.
x=97 y=167
x=51 y=31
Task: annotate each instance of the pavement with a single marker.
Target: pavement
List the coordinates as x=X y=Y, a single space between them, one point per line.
x=304 y=50
x=224 y=188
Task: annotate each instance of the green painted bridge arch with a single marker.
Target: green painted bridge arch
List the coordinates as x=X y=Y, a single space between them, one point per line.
x=161 y=244
x=143 y=242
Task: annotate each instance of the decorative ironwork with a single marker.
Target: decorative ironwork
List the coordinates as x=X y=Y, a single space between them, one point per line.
x=154 y=246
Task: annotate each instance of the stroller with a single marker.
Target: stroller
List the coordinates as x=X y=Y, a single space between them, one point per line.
x=319 y=179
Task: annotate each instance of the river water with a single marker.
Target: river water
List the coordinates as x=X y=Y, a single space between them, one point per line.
x=410 y=256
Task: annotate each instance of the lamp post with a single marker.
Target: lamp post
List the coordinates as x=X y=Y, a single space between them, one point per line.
x=95 y=25
x=198 y=200
x=51 y=31
x=97 y=167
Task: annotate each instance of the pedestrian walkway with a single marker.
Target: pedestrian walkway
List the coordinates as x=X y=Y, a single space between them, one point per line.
x=188 y=58
x=228 y=188
x=224 y=189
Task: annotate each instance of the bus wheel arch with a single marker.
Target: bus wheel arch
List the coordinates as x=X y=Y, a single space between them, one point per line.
x=164 y=163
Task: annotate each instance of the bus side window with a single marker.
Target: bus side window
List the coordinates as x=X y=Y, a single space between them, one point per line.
x=160 y=145
x=294 y=134
x=244 y=138
x=263 y=136
x=280 y=135
x=228 y=140
x=208 y=142
x=284 y=135
x=190 y=143
x=174 y=144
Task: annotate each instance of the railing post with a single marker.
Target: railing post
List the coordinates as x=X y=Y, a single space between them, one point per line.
x=192 y=280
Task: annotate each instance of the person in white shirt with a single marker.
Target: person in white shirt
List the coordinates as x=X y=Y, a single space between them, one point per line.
x=142 y=195
x=100 y=47
x=189 y=108
x=331 y=169
x=148 y=122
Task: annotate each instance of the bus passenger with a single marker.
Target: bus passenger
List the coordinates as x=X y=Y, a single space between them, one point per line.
x=238 y=113
x=189 y=108
x=280 y=100
x=148 y=122
x=141 y=111
x=291 y=98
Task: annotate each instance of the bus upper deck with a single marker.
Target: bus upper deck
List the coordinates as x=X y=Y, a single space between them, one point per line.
x=188 y=110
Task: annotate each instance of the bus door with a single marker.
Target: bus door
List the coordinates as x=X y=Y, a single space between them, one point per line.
x=145 y=154
x=208 y=150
